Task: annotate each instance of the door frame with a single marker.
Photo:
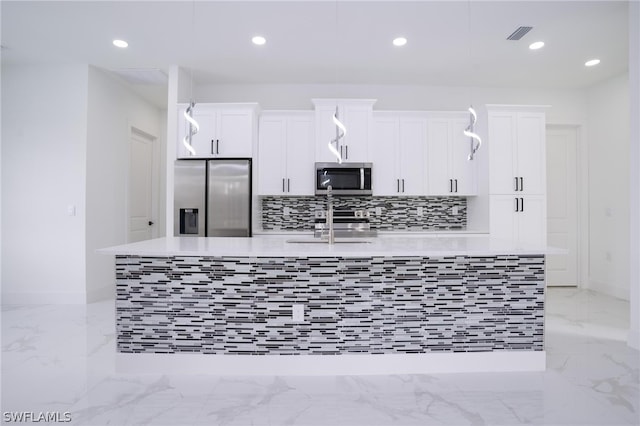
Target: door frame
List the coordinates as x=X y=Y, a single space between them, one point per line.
x=135 y=132
x=582 y=200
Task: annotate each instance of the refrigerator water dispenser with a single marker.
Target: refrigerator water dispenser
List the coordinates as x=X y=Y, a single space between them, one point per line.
x=188 y=221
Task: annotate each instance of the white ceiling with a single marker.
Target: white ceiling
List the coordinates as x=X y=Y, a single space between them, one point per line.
x=451 y=43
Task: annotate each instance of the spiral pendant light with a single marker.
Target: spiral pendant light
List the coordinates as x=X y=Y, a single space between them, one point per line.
x=340 y=132
x=469 y=131
x=194 y=128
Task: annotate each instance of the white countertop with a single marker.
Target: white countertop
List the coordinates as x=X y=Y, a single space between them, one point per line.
x=279 y=246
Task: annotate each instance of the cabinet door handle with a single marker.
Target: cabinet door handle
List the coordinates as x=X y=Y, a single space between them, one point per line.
x=521 y=204
x=456 y=185
x=283 y=185
x=402 y=185
x=346 y=152
x=450 y=185
x=516 y=180
x=212 y=150
x=521 y=184
x=517 y=205
x=288 y=185
x=398 y=185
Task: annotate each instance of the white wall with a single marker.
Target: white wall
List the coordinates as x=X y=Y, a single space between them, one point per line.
x=65 y=139
x=608 y=142
x=43 y=173
x=113 y=110
x=634 y=234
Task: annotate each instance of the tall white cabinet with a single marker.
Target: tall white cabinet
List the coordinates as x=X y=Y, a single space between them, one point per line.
x=285 y=153
x=226 y=130
x=517 y=181
x=397 y=150
x=356 y=115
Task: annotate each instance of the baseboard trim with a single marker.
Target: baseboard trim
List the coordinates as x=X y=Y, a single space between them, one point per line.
x=634 y=339
x=609 y=290
x=44 y=298
x=330 y=365
x=100 y=294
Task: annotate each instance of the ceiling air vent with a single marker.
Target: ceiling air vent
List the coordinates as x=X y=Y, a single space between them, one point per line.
x=519 y=33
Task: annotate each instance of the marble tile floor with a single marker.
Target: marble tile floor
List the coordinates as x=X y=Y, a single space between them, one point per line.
x=60 y=359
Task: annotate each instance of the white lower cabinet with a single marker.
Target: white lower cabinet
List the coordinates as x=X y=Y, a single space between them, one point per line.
x=520 y=218
x=285 y=153
x=449 y=170
x=398 y=153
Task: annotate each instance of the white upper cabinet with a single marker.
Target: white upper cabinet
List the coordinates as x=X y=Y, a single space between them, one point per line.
x=226 y=130
x=517 y=152
x=449 y=170
x=285 y=153
x=356 y=115
x=517 y=168
x=397 y=151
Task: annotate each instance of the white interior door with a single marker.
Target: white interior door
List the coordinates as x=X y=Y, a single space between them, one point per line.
x=562 y=205
x=139 y=210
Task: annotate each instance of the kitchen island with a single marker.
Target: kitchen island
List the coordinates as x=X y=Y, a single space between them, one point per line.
x=282 y=305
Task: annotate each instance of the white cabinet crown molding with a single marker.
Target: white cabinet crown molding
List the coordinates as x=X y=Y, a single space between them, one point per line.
x=517 y=108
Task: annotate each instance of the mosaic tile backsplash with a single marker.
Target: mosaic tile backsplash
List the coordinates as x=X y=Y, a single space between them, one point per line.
x=369 y=305
x=396 y=213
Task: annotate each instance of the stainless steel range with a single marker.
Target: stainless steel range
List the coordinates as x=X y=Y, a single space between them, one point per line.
x=346 y=223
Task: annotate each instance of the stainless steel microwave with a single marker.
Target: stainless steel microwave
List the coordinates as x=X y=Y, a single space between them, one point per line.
x=344 y=178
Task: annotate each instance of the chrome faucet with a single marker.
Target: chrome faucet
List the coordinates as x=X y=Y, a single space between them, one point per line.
x=329 y=215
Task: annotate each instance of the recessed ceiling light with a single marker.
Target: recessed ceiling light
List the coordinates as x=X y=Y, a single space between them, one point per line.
x=592 y=62
x=536 y=45
x=399 y=41
x=259 y=40
x=120 y=43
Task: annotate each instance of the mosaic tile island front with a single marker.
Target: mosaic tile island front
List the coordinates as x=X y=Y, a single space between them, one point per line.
x=360 y=305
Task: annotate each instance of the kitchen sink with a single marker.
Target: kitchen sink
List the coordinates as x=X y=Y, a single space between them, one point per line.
x=337 y=241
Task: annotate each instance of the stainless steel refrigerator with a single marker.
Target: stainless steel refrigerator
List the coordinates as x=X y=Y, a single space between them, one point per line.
x=212 y=198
